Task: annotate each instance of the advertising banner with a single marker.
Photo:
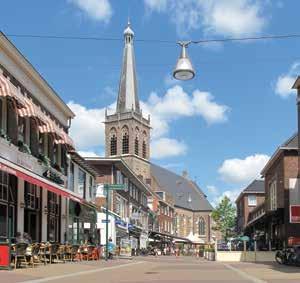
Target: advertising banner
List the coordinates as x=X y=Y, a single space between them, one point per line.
x=294 y=199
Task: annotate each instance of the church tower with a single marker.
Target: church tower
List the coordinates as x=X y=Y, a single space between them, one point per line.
x=127 y=132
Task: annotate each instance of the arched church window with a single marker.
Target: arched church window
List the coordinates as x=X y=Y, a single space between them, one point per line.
x=125 y=144
x=144 y=150
x=201 y=226
x=136 y=146
x=113 y=145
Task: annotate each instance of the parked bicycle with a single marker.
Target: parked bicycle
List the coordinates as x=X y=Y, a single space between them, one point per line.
x=289 y=256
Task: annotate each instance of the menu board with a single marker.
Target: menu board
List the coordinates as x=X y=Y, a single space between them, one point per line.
x=125 y=248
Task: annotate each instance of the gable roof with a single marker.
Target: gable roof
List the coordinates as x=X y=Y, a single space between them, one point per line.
x=257 y=187
x=290 y=144
x=186 y=193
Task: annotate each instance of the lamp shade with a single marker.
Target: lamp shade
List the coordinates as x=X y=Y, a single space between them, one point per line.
x=184 y=69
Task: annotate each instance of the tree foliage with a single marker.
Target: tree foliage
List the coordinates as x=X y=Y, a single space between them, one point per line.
x=224 y=216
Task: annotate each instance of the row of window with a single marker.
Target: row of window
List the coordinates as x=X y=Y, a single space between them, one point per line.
x=125 y=146
x=85 y=182
x=166 y=210
x=188 y=220
x=28 y=134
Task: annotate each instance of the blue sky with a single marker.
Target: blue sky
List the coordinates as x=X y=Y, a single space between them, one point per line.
x=222 y=126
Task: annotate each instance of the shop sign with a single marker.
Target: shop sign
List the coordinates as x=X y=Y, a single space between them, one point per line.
x=121 y=223
x=294 y=213
x=105 y=221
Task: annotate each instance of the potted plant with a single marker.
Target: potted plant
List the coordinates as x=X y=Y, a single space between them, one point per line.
x=44 y=159
x=5 y=136
x=201 y=251
x=23 y=147
x=210 y=254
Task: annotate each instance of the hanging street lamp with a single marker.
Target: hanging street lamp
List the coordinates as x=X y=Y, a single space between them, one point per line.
x=184 y=70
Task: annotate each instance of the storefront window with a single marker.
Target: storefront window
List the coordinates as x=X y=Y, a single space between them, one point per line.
x=53 y=217
x=3 y=186
x=82 y=223
x=81 y=182
x=3 y=221
x=32 y=212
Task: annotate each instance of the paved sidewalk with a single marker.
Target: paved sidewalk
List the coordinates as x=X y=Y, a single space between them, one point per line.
x=150 y=269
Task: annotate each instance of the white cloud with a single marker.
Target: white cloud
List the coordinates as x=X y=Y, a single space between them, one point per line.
x=176 y=103
x=88 y=154
x=284 y=83
x=156 y=5
x=241 y=171
x=165 y=147
x=212 y=190
x=222 y=17
x=231 y=194
x=87 y=128
x=99 y=10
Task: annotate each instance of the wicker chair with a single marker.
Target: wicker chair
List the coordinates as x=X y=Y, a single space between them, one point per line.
x=61 y=253
x=72 y=253
x=35 y=257
x=88 y=253
x=19 y=255
x=52 y=252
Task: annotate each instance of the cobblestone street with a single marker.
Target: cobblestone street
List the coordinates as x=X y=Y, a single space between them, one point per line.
x=159 y=270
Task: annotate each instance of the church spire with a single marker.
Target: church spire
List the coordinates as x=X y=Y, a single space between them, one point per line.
x=128 y=96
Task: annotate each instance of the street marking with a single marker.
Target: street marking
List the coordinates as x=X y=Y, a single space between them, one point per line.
x=81 y=273
x=244 y=274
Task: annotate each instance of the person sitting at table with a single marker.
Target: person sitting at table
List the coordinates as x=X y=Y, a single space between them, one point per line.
x=27 y=238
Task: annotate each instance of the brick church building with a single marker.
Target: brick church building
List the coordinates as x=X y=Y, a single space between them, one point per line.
x=127 y=136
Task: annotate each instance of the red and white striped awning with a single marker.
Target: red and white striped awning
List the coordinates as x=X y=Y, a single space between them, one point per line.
x=63 y=138
x=26 y=108
x=7 y=89
x=32 y=110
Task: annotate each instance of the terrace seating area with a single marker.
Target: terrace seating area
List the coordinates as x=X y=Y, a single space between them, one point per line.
x=31 y=255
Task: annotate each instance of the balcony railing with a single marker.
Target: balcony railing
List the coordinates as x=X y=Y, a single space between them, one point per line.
x=23 y=158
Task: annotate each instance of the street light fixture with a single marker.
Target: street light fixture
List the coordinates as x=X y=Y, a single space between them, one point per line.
x=184 y=69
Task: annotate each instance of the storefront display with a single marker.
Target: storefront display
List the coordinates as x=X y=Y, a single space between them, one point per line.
x=125 y=248
x=82 y=223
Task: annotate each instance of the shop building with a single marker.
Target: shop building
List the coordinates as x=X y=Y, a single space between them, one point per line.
x=34 y=143
x=82 y=212
x=274 y=221
x=129 y=207
x=251 y=197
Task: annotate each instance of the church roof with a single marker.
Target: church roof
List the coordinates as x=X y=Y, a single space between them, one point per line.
x=128 y=99
x=186 y=193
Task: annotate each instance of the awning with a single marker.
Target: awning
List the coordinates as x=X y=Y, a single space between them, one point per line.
x=32 y=110
x=34 y=179
x=7 y=89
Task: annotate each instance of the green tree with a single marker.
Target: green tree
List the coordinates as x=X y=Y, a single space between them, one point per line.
x=224 y=216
